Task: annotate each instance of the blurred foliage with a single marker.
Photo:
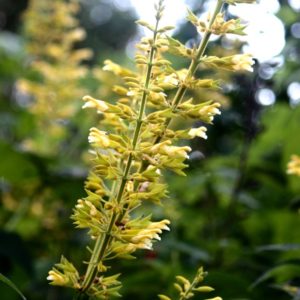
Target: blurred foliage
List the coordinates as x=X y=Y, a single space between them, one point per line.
x=237 y=212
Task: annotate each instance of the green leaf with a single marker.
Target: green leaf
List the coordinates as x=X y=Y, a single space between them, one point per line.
x=192 y=17
x=280 y=273
x=278 y=247
x=12 y=285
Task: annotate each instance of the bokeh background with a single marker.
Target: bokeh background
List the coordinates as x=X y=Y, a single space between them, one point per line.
x=237 y=211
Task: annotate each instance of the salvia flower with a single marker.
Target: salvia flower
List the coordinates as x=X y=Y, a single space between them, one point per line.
x=57 y=278
x=243 y=62
x=233 y=26
x=199 y=132
x=208 y=112
x=64 y=274
x=91 y=102
x=99 y=138
x=140 y=233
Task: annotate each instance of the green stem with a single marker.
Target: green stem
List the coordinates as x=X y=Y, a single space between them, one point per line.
x=194 y=64
x=104 y=240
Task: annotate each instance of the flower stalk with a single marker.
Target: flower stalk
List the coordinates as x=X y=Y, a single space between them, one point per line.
x=129 y=171
x=103 y=240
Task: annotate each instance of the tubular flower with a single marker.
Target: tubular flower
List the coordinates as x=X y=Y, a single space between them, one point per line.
x=174 y=151
x=64 y=274
x=243 y=62
x=143 y=238
x=200 y=132
x=165 y=148
x=209 y=111
x=99 y=138
x=91 y=102
x=57 y=278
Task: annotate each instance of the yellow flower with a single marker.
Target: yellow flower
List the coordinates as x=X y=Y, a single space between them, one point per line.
x=143 y=239
x=171 y=151
x=57 y=278
x=209 y=111
x=77 y=34
x=200 y=132
x=91 y=102
x=243 y=62
x=162 y=225
x=98 y=137
x=293 y=166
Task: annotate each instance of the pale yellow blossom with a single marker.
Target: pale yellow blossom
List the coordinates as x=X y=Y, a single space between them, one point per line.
x=200 y=132
x=209 y=111
x=293 y=166
x=243 y=62
x=91 y=102
x=99 y=138
x=57 y=278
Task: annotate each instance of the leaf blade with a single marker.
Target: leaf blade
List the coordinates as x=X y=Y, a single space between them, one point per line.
x=8 y=282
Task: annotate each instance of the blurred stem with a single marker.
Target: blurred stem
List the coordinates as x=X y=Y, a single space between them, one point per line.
x=250 y=128
x=241 y=171
x=104 y=240
x=18 y=215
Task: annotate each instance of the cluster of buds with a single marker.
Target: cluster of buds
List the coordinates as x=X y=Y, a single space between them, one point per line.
x=137 y=143
x=233 y=26
x=219 y=26
x=187 y=289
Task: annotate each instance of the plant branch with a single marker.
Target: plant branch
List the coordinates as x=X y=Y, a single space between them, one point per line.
x=104 y=240
x=194 y=65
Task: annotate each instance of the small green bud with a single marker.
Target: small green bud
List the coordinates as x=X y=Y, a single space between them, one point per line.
x=178 y=287
x=145 y=24
x=164 y=297
x=204 y=289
